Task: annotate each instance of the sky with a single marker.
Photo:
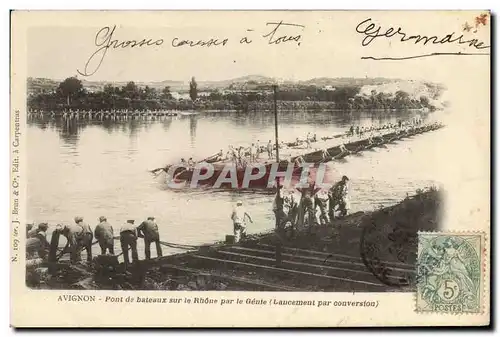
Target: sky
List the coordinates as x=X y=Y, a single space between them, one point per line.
x=321 y=44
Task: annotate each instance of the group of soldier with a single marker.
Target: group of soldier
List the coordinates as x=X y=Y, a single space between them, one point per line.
x=359 y=131
x=79 y=236
x=300 y=208
x=311 y=207
x=241 y=155
x=102 y=114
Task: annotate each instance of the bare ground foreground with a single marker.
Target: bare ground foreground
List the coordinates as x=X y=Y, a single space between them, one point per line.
x=365 y=251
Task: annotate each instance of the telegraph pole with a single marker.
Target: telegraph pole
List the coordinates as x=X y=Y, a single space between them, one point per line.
x=279 y=200
x=275 y=89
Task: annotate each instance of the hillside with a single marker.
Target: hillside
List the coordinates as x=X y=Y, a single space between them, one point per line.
x=414 y=88
x=346 y=81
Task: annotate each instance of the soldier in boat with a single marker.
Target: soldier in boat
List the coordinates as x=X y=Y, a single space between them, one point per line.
x=230 y=154
x=191 y=163
x=342 y=148
x=325 y=155
x=239 y=216
x=308 y=142
x=252 y=151
x=370 y=139
x=220 y=155
x=241 y=161
x=128 y=240
x=104 y=235
x=183 y=163
x=148 y=230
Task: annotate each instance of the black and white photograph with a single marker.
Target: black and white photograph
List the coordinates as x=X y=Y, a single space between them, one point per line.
x=300 y=152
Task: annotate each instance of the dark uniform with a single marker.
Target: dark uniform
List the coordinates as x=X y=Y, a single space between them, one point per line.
x=37 y=240
x=76 y=238
x=338 y=196
x=292 y=205
x=86 y=237
x=148 y=230
x=128 y=240
x=306 y=209
x=104 y=235
x=278 y=209
x=29 y=226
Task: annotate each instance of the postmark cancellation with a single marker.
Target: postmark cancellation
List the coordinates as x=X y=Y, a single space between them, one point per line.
x=450 y=272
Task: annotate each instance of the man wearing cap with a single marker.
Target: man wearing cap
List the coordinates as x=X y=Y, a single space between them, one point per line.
x=29 y=226
x=35 y=231
x=148 y=230
x=74 y=235
x=238 y=216
x=104 y=235
x=86 y=237
x=128 y=240
x=37 y=239
x=339 y=196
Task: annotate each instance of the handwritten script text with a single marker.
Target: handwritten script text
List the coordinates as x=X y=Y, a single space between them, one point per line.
x=371 y=31
x=280 y=33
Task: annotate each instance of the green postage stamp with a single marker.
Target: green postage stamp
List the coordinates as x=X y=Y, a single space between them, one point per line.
x=450 y=272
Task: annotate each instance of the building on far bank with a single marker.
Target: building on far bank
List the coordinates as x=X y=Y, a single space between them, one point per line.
x=178 y=96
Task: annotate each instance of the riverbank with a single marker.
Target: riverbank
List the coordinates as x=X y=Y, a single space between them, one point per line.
x=142 y=108
x=334 y=258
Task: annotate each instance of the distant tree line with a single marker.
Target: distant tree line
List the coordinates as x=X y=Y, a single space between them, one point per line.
x=71 y=94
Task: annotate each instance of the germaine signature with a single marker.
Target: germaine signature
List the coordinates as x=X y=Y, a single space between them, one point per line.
x=371 y=31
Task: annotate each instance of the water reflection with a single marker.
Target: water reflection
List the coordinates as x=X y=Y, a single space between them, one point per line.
x=342 y=119
x=192 y=129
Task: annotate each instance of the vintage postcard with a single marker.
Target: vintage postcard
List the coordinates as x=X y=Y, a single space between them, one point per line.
x=250 y=168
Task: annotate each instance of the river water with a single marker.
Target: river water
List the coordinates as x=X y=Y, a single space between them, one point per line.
x=93 y=168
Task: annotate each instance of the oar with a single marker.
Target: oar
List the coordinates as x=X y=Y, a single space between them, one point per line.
x=158 y=169
x=342 y=155
x=210 y=157
x=178 y=246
